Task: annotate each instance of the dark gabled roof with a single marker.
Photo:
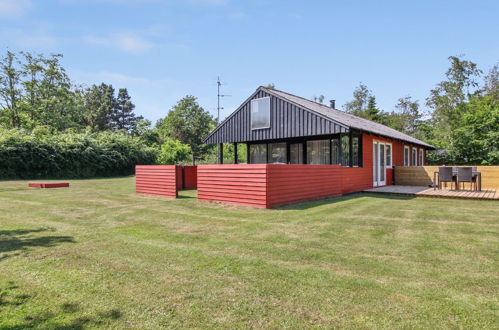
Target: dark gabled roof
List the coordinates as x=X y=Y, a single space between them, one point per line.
x=346 y=118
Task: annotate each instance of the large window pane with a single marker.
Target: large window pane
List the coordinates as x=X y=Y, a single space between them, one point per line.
x=336 y=151
x=277 y=152
x=388 y=155
x=296 y=153
x=355 y=151
x=258 y=153
x=260 y=113
x=345 y=150
x=318 y=152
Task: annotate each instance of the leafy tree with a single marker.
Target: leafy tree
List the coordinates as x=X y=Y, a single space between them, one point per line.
x=409 y=114
x=446 y=97
x=358 y=105
x=148 y=135
x=122 y=117
x=173 y=152
x=99 y=102
x=270 y=86
x=189 y=123
x=10 y=89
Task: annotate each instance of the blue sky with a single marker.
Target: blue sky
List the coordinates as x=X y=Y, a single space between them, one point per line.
x=164 y=50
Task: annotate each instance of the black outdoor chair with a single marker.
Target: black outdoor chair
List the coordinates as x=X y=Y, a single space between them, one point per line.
x=445 y=175
x=465 y=174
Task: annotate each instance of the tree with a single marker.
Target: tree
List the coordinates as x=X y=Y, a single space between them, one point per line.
x=99 y=102
x=476 y=139
x=319 y=99
x=446 y=97
x=372 y=112
x=189 y=123
x=409 y=115
x=358 y=105
x=10 y=89
x=173 y=152
x=122 y=116
x=270 y=86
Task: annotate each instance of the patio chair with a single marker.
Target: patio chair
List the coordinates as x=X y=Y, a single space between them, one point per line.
x=445 y=175
x=465 y=174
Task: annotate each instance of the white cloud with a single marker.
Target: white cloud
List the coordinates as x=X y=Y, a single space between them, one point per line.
x=14 y=8
x=126 y=42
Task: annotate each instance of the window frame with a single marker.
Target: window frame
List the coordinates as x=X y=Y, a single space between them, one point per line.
x=269 y=112
x=407 y=160
x=414 y=159
x=421 y=157
x=391 y=154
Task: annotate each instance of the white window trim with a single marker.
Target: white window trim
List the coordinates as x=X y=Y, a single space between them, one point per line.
x=408 y=163
x=391 y=155
x=421 y=157
x=414 y=159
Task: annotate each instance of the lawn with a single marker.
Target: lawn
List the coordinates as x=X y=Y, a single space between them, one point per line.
x=98 y=255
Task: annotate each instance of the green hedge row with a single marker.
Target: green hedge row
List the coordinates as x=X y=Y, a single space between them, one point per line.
x=28 y=155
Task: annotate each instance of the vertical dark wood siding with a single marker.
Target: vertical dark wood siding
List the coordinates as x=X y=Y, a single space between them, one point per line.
x=286 y=121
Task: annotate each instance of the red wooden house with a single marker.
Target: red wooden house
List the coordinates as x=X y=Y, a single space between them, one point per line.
x=281 y=128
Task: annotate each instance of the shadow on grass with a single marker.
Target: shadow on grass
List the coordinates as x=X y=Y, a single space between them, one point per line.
x=12 y=242
x=332 y=200
x=187 y=194
x=63 y=316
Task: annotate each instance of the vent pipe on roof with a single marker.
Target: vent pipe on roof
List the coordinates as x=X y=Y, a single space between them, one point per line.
x=332 y=103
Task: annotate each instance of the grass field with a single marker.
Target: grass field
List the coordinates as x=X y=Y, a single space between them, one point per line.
x=97 y=255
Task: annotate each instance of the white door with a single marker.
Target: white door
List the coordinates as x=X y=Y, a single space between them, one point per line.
x=379 y=164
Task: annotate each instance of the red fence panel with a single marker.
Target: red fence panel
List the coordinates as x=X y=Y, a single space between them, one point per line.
x=180 y=178
x=297 y=183
x=190 y=178
x=240 y=184
x=158 y=180
x=267 y=185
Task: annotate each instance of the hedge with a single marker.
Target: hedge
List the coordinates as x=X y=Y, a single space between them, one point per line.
x=27 y=155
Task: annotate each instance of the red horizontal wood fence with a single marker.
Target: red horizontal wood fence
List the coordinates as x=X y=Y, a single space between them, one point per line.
x=241 y=184
x=158 y=180
x=297 y=183
x=190 y=177
x=267 y=185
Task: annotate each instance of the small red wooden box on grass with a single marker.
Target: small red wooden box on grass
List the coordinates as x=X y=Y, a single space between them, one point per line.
x=49 y=185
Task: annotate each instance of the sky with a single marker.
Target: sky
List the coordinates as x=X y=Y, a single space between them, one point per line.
x=164 y=50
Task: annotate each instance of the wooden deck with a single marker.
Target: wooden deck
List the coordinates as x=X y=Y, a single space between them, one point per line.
x=446 y=193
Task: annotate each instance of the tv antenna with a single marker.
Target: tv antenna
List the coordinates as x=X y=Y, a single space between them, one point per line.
x=218 y=100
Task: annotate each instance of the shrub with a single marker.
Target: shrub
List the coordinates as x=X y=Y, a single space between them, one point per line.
x=26 y=155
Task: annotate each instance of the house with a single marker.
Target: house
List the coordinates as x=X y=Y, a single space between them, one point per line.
x=282 y=128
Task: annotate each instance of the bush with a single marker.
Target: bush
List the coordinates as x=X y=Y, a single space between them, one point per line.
x=174 y=152
x=26 y=155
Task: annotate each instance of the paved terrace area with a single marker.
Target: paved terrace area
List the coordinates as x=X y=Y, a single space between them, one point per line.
x=447 y=193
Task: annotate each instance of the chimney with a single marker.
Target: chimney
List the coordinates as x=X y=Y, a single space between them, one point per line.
x=332 y=103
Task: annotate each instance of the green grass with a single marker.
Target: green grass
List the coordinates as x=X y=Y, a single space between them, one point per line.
x=98 y=255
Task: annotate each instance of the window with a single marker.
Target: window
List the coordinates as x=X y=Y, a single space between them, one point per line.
x=406 y=156
x=414 y=157
x=421 y=157
x=296 y=153
x=356 y=159
x=258 y=154
x=260 y=113
x=336 y=151
x=318 y=152
x=345 y=150
x=388 y=155
x=277 y=153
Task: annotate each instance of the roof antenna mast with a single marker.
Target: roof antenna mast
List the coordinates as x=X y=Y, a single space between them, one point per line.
x=218 y=100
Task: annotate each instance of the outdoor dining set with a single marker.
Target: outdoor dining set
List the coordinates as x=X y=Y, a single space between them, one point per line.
x=458 y=176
